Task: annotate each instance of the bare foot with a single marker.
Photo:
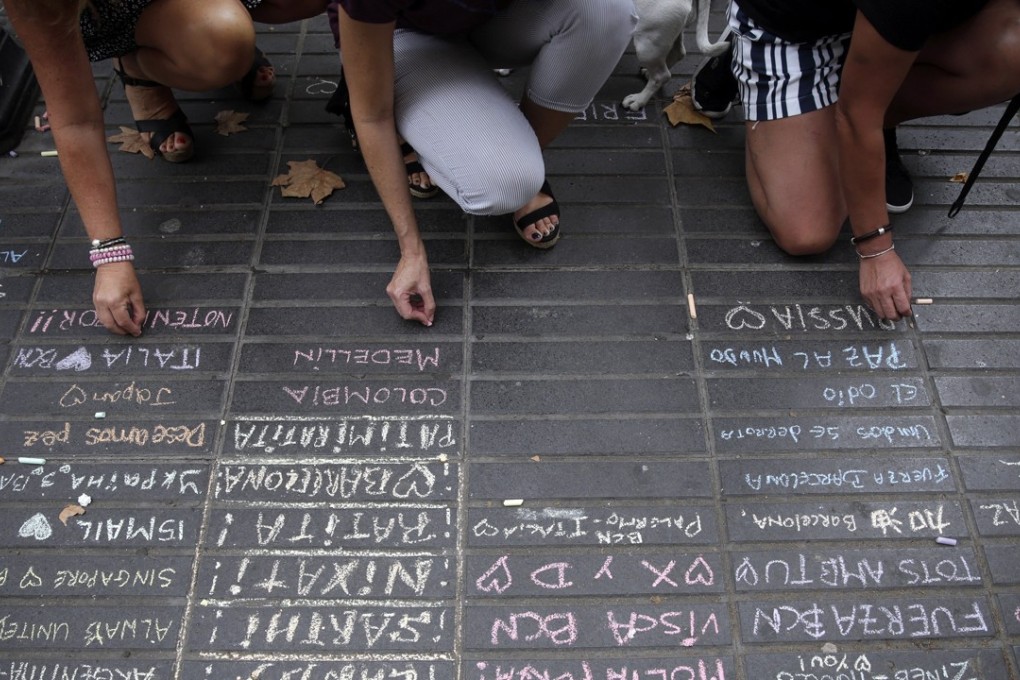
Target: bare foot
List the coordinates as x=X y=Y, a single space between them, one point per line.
x=155 y=103
x=541 y=228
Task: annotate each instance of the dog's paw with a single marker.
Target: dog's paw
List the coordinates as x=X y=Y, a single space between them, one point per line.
x=635 y=102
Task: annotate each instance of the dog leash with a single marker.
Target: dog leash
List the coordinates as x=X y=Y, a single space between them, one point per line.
x=1011 y=110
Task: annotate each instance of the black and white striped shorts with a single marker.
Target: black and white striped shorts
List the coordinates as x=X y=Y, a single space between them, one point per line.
x=779 y=78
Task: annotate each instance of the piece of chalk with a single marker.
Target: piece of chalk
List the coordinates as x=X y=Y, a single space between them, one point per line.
x=513 y=502
x=38 y=123
x=100 y=414
x=48 y=154
x=923 y=301
x=690 y=306
x=32 y=461
x=945 y=540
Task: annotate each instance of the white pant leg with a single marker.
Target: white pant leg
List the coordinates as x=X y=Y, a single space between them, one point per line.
x=471 y=137
x=572 y=46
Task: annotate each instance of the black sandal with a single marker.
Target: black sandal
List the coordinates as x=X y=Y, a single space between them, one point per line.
x=161 y=128
x=340 y=104
x=247 y=84
x=550 y=239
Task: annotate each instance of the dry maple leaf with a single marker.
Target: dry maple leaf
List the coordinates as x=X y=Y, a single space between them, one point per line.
x=131 y=141
x=959 y=177
x=682 y=110
x=70 y=511
x=229 y=122
x=306 y=179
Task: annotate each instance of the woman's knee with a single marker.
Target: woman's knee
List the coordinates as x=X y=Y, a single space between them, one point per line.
x=501 y=192
x=804 y=238
x=217 y=44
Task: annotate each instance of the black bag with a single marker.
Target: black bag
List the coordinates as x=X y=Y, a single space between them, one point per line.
x=19 y=91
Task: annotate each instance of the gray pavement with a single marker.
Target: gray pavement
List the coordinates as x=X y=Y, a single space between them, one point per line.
x=578 y=473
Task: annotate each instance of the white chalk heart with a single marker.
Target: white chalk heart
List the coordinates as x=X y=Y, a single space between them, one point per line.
x=79 y=360
x=37 y=526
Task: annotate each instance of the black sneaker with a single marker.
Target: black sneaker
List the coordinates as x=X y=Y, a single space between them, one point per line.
x=899 y=189
x=713 y=87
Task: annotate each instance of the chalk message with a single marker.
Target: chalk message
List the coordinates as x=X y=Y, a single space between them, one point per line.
x=678 y=666
x=348 y=628
x=340 y=481
x=144 y=627
x=61 y=575
x=855 y=569
x=46 y=359
x=342 y=526
x=368 y=576
x=317 y=670
x=866 y=475
x=299 y=436
x=891 y=619
x=755 y=435
x=656 y=573
x=203 y=320
x=841 y=520
x=581 y=627
x=692 y=525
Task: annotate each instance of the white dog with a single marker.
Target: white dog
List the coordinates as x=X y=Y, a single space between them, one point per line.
x=659 y=41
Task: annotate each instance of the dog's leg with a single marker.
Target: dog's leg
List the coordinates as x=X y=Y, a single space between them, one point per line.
x=657 y=75
x=651 y=49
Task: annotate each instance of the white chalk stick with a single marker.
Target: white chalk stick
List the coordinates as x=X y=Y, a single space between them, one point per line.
x=923 y=301
x=31 y=461
x=513 y=502
x=100 y=414
x=690 y=306
x=945 y=540
x=48 y=154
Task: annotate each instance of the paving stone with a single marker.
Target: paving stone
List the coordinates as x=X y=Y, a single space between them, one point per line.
x=560 y=526
x=797 y=357
x=103 y=527
x=1010 y=605
x=975 y=663
x=82 y=665
x=838 y=520
x=590 y=627
x=572 y=358
x=63 y=575
x=89 y=359
x=738 y=394
x=316 y=670
x=159 y=288
x=839 y=570
x=544 y=480
x=152 y=397
x=336 y=482
x=358 y=359
x=395 y=628
x=757 y=435
x=972 y=431
x=164 y=254
x=178 y=222
x=350 y=322
x=610 y=436
x=343 y=220
x=145 y=626
x=358 y=252
x=888 y=474
x=987 y=354
x=997 y=285
x=893 y=618
x=624 y=665
x=157 y=482
x=1002 y=564
x=597 y=286
x=22 y=256
x=764 y=320
x=10 y=320
x=347 y=397
x=969 y=318
x=27 y=225
x=586 y=396
x=189 y=194
x=783 y=284
x=584 y=251
x=997 y=516
x=990 y=473
x=616 y=220
x=16 y=290
x=989 y=391
x=544 y=321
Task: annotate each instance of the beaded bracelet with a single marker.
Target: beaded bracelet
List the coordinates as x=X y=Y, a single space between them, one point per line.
x=854 y=240
x=109 y=250
x=878 y=254
x=113 y=258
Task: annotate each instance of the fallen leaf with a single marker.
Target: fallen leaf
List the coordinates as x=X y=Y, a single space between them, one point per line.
x=959 y=177
x=70 y=511
x=131 y=141
x=229 y=122
x=306 y=179
x=682 y=111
